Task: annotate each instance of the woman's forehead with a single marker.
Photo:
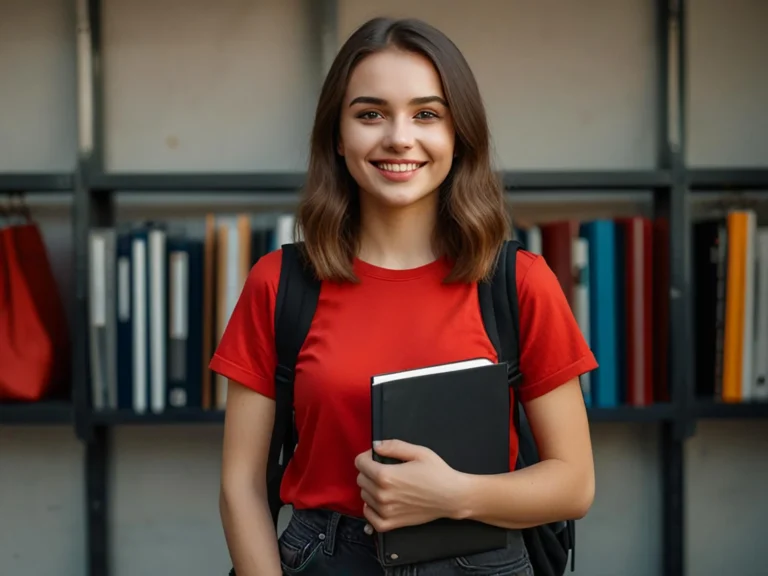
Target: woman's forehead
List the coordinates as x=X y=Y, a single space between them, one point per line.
x=394 y=76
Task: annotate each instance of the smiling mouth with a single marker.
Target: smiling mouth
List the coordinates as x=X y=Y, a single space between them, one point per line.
x=398 y=167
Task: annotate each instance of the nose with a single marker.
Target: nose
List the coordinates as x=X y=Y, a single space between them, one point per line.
x=399 y=135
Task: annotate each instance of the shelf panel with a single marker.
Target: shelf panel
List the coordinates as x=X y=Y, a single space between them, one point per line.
x=194 y=416
x=728 y=179
x=292 y=181
x=712 y=410
x=31 y=182
x=653 y=413
x=36 y=413
x=129 y=417
x=598 y=180
x=202 y=182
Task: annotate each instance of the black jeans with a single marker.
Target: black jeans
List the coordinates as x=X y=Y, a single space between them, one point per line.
x=325 y=543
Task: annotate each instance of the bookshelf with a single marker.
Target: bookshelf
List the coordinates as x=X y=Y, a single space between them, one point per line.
x=671 y=182
x=37 y=413
x=31 y=183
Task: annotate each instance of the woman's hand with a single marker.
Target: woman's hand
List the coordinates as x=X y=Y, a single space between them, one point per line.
x=420 y=489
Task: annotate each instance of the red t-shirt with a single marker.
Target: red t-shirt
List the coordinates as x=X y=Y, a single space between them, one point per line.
x=392 y=320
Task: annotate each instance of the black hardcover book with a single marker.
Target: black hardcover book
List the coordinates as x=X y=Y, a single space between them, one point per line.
x=461 y=411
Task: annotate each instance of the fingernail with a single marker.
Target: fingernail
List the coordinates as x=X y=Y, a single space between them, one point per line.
x=376 y=443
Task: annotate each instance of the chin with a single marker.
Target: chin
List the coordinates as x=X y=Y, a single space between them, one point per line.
x=402 y=197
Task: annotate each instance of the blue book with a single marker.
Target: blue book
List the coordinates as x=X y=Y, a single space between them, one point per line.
x=185 y=302
x=124 y=309
x=603 y=306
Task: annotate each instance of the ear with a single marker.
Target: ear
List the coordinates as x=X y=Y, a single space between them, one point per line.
x=340 y=147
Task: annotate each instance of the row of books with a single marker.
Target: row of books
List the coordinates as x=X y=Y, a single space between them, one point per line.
x=615 y=276
x=730 y=294
x=160 y=298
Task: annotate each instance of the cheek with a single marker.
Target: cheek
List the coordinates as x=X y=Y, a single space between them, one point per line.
x=440 y=145
x=358 y=141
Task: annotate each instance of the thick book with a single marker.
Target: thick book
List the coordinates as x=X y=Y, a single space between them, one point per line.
x=461 y=411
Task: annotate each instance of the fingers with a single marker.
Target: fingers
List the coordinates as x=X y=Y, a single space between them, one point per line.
x=374 y=519
x=372 y=495
x=366 y=483
x=365 y=463
x=400 y=450
x=377 y=472
x=370 y=501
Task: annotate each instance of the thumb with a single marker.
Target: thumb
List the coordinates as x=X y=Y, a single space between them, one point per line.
x=399 y=450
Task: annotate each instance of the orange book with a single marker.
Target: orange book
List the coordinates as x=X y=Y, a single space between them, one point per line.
x=734 y=306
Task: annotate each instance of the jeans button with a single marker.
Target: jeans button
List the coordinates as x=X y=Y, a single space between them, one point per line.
x=368 y=529
x=321 y=536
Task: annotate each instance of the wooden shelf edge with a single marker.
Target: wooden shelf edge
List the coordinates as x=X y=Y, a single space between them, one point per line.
x=728 y=179
x=705 y=409
x=36 y=413
x=653 y=413
x=129 y=417
x=281 y=182
x=36 y=182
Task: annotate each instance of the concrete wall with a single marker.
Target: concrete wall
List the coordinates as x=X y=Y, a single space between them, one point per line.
x=194 y=85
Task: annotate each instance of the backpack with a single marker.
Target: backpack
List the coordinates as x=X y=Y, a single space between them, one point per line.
x=297 y=295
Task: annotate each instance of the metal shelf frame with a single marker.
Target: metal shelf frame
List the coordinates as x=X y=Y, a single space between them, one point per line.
x=671 y=182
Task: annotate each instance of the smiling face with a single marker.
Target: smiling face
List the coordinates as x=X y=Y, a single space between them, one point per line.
x=396 y=131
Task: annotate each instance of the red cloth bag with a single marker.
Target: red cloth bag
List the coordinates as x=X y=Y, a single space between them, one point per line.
x=32 y=257
x=26 y=349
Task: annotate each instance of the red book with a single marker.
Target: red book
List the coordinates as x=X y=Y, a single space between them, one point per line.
x=557 y=250
x=638 y=303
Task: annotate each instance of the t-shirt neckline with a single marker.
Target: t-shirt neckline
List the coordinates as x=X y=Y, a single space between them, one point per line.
x=438 y=266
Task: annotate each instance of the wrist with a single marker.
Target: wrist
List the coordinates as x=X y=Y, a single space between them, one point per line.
x=462 y=500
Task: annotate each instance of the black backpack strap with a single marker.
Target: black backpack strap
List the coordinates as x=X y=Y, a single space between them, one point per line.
x=297 y=295
x=499 y=306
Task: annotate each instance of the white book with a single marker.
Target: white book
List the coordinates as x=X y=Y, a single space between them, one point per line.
x=747 y=359
x=760 y=374
x=102 y=324
x=140 y=329
x=438 y=369
x=580 y=262
x=535 y=245
x=157 y=301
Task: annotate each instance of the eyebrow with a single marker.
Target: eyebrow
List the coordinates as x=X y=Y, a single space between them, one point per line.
x=381 y=102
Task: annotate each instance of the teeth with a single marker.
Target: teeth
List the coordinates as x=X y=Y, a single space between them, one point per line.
x=397 y=167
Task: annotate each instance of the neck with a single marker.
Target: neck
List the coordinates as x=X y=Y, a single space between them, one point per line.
x=397 y=238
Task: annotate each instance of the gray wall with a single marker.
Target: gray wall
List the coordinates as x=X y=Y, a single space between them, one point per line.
x=230 y=85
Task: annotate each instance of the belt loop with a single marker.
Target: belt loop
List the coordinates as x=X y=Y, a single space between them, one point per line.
x=330 y=533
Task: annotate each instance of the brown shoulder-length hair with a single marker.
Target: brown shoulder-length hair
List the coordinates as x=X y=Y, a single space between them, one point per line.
x=472 y=222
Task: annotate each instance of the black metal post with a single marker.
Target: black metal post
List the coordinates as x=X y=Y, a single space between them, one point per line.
x=92 y=210
x=97 y=78
x=96 y=473
x=81 y=357
x=671 y=91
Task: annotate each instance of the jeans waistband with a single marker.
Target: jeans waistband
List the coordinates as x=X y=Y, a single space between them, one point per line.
x=334 y=525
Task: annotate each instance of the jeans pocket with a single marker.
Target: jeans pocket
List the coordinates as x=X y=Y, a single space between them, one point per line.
x=510 y=561
x=298 y=546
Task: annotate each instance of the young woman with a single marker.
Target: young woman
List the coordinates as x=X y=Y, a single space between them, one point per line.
x=402 y=217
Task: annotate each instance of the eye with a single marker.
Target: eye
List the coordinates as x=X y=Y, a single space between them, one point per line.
x=370 y=115
x=426 y=115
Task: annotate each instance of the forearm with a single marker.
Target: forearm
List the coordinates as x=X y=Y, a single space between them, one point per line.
x=250 y=533
x=548 y=491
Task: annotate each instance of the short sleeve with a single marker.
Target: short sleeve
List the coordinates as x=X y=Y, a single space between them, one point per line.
x=553 y=350
x=246 y=352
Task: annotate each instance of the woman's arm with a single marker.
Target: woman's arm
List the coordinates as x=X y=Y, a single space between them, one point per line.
x=561 y=486
x=247 y=521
